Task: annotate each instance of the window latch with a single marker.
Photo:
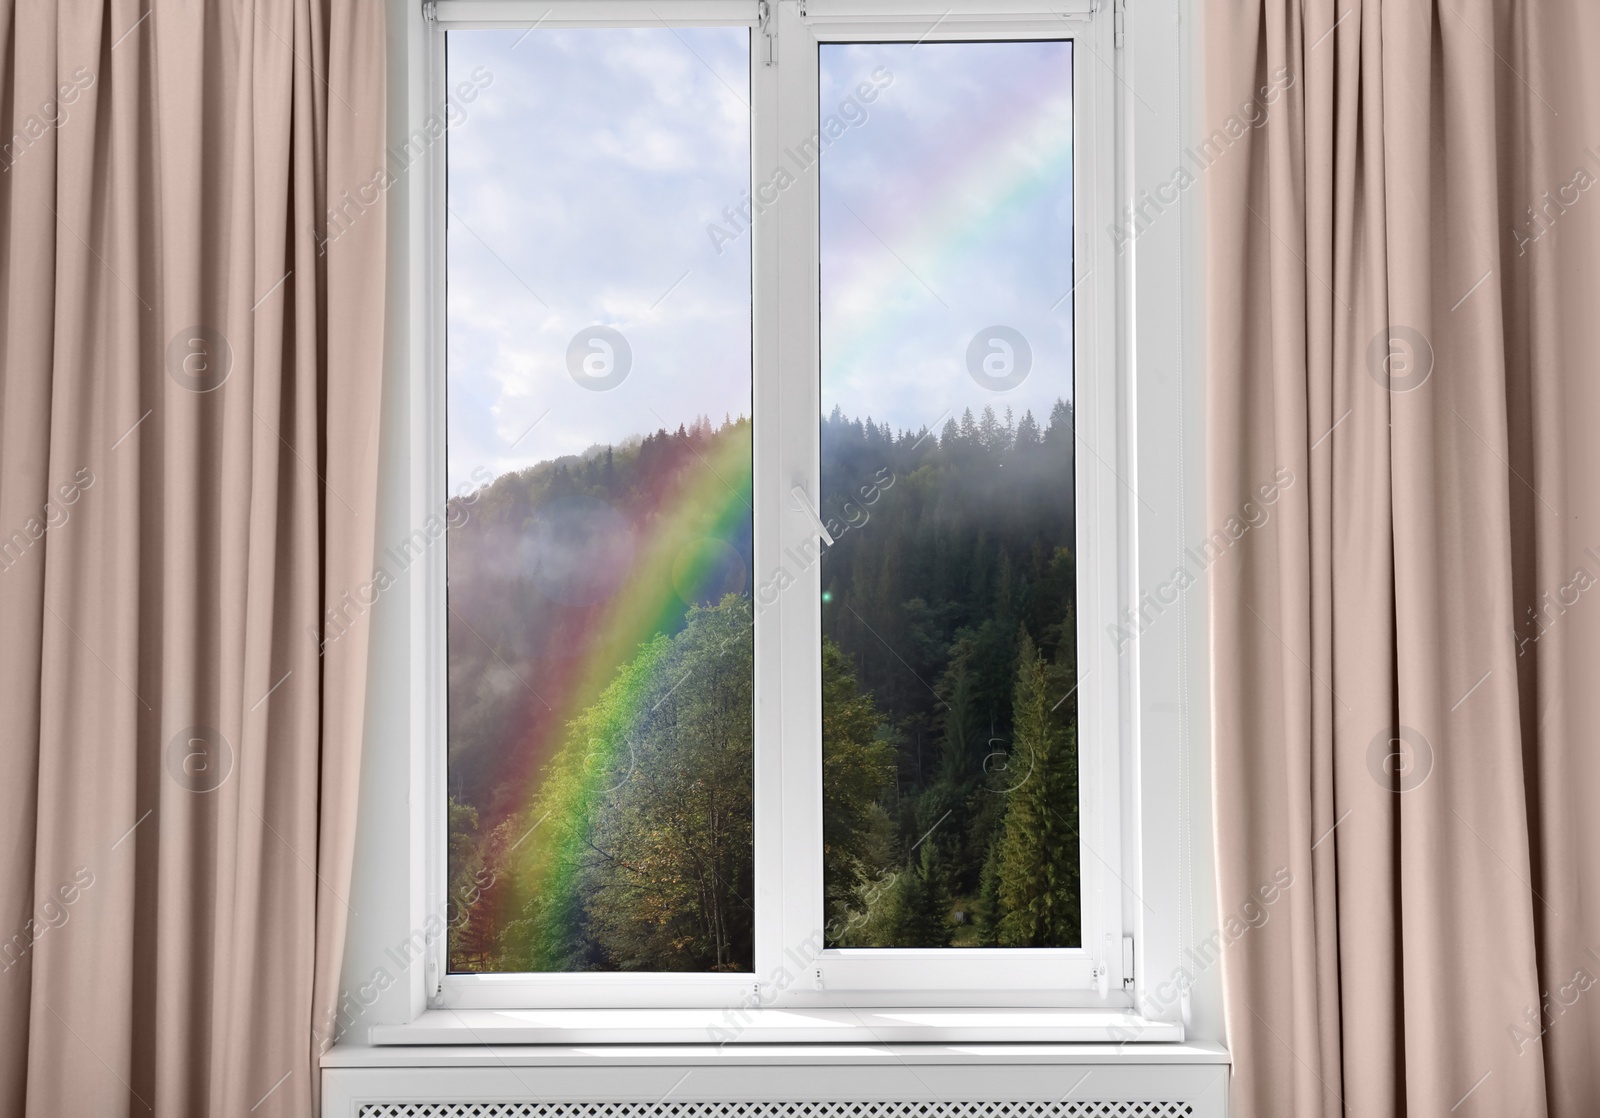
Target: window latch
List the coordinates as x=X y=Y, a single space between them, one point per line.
x=1119 y=22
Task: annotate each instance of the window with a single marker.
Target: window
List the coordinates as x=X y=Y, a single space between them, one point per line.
x=948 y=630
x=774 y=370
x=598 y=395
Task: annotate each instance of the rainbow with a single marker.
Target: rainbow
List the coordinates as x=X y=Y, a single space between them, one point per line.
x=679 y=562
x=1004 y=167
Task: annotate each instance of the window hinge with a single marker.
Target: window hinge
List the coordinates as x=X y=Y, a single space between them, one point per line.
x=1119 y=22
x=1102 y=970
x=769 y=33
x=1127 y=960
x=430 y=10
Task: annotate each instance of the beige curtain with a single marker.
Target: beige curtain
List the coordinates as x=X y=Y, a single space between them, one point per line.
x=1404 y=283
x=188 y=455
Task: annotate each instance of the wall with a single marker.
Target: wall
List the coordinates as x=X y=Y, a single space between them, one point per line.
x=386 y=913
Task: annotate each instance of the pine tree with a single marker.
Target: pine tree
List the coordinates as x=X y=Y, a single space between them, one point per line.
x=1037 y=871
x=857 y=766
x=1059 y=433
x=989 y=430
x=924 y=903
x=1027 y=432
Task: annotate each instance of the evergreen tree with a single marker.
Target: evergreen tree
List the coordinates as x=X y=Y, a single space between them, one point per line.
x=857 y=768
x=925 y=904
x=969 y=430
x=1027 y=432
x=1059 y=433
x=1037 y=859
x=990 y=432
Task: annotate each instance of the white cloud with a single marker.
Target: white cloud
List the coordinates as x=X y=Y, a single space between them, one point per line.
x=594 y=160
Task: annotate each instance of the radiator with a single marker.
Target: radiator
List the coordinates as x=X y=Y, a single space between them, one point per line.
x=972 y=1081
x=1147 y=1108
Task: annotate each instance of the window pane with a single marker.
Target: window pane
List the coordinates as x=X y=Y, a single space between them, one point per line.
x=599 y=457
x=950 y=767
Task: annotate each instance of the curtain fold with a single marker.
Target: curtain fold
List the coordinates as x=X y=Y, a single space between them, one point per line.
x=1402 y=292
x=188 y=467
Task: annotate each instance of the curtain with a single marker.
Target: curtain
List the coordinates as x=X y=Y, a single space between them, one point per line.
x=188 y=457
x=1404 y=309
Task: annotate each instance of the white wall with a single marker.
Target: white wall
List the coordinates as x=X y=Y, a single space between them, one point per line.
x=1168 y=473
x=386 y=912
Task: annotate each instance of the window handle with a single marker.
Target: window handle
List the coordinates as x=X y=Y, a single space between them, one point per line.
x=802 y=503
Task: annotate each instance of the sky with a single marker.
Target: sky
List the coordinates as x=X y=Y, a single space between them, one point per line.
x=947 y=213
x=584 y=173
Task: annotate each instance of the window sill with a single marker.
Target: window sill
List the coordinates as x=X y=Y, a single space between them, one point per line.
x=797 y=1080
x=721 y=1029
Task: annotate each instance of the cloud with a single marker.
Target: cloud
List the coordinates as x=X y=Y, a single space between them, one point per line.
x=590 y=167
x=588 y=176
x=951 y=214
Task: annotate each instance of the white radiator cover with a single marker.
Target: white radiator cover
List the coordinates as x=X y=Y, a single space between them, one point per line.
x=1143 y=1109
x=856 y=1081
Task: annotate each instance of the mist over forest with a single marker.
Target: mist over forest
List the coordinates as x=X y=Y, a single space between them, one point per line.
x=600 y=816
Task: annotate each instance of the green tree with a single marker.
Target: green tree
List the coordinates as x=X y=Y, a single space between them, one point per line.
x=668 y=881
x=555 y=837
x=465 y=857
x=1036 y=870
x=925 y=903
x=467 y=908
x=857 y=768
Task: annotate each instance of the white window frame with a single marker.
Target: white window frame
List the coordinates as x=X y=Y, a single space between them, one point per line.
x=789 y=971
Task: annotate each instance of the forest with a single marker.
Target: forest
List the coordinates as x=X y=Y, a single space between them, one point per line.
x=952 y=609
x=600 y=758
